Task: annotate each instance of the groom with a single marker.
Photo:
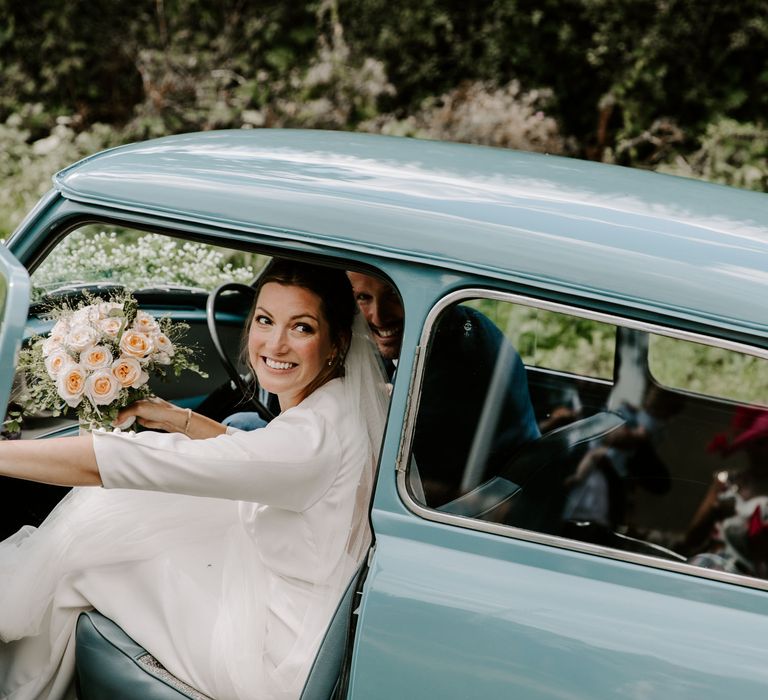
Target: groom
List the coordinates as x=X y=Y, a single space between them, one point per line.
x=459 y=371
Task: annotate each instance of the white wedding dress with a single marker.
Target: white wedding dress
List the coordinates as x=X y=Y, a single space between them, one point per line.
x=225 y=558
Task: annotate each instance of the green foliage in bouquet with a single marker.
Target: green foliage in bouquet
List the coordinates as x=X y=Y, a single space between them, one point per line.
x=98 y=358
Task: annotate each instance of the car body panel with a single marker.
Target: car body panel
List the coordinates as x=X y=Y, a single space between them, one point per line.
x=447 y=610
x=635 y=238
x=458 y=615
x=14 y=300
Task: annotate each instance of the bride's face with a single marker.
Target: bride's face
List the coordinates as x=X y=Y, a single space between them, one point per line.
x=289 y=341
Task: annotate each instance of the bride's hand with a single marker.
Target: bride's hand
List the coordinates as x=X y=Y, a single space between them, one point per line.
x=156 y=414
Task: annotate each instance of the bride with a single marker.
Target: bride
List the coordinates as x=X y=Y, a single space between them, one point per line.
x=224 y=553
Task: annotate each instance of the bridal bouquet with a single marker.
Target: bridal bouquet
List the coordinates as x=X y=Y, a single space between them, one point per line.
x=98 y=358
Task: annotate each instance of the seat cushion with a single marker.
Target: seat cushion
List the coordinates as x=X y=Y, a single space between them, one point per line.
x=109 y=664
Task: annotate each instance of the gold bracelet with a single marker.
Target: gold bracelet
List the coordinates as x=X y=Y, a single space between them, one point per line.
x=189 y=418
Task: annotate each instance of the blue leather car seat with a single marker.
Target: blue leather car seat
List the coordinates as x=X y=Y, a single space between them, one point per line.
x=109 y=664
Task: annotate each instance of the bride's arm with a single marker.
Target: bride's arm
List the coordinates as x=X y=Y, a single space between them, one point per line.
x=68 y=461
x=158 y=414
x=71 y=461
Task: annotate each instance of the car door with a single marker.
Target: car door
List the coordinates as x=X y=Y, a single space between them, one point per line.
x=465 y=604
x=14 y=302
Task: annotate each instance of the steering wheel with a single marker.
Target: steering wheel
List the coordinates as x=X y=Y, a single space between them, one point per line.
x=236 y=299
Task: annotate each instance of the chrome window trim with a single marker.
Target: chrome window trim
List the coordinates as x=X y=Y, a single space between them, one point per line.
x=412 y=409
x=568 y=375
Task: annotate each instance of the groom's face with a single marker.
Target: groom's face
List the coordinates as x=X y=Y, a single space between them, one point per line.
x=381 y=307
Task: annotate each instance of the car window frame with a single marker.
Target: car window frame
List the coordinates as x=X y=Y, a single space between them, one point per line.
x=508 y=531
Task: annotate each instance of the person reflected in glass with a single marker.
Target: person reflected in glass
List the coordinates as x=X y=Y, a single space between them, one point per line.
x=600 y=489
x=729 y=531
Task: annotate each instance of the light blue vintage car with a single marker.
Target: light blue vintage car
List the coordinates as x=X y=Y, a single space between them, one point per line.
x=572 y=497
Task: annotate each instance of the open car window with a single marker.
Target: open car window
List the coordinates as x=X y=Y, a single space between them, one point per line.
x=553 y=423
x=170 y=276
x=99 y=254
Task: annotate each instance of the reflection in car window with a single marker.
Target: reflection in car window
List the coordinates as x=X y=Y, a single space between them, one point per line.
x=708 y=370
x=554 y=340
x=565 y=448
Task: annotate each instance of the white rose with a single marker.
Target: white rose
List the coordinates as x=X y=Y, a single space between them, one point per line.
x=80 y=337
x=163 y=344
x=85 y=315
x=102 y=387
x=111 y=326
x=60 y=329
x=71 y=384
x=51 y=344
x=129 y=372
x=161 y=358
x=145 y=323
x=136 y=344
x=96 y=357
x=57 y=362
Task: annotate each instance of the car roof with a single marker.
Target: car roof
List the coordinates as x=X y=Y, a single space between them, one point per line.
x=622 y=235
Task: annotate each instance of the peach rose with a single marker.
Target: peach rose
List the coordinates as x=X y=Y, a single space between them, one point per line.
x=57 y=361
x=71 y=384
x=145 y=323
x=128 y=372
x=102 y=387
x=163 y=344
x=96 y=357
x=136 y=344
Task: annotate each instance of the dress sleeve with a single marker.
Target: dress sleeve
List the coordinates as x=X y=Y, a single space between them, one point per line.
x=290 y=463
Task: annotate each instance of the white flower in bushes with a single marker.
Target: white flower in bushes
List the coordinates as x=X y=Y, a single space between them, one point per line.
x=57 y=361
x=96 y=357
x=129 y=372
x=102 y=387
x=70 y=384
x=80 y=337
